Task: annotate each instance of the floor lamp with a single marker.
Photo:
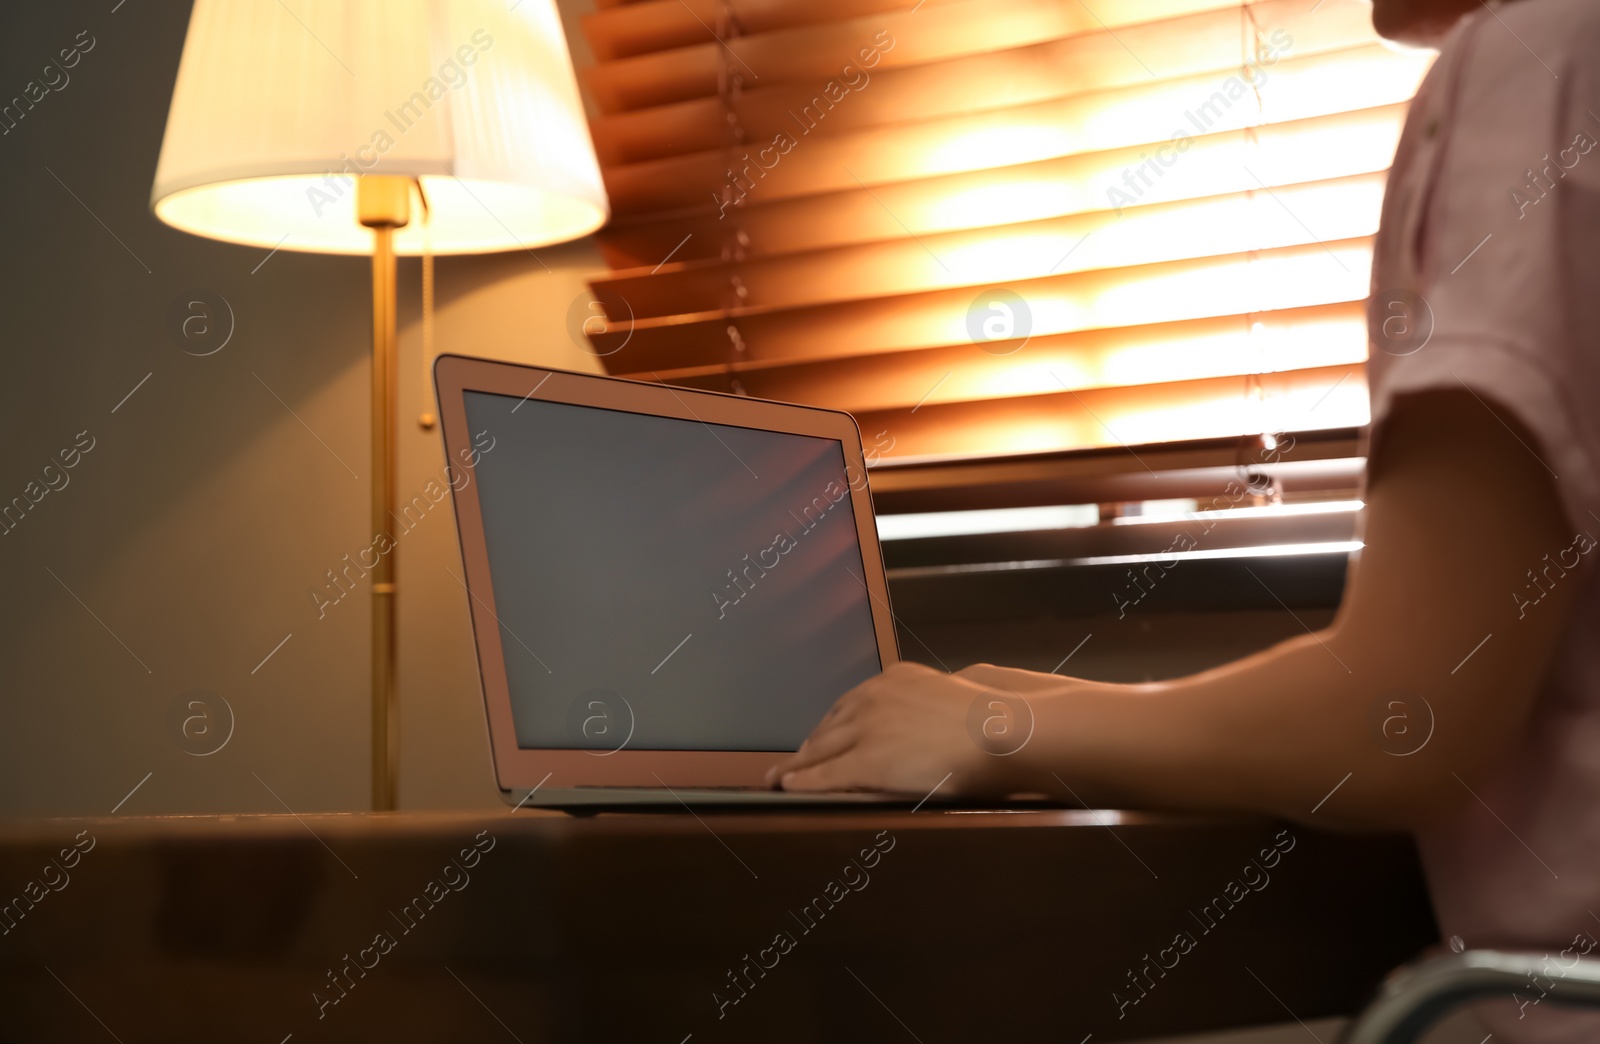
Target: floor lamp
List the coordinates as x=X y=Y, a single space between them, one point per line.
x=381 y=127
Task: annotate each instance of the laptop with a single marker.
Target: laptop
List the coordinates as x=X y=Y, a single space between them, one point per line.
x=669 y=588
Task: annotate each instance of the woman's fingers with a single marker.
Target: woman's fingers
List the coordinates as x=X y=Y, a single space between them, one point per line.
x=836 y=773
x=880 y=733
x=823 y=744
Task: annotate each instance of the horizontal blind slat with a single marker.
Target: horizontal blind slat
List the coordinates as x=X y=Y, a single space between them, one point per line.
x=1291 y=277
x=1299 y=400
x=1292 y=215
x=1287 y=339
x=1317 y=85
x=1207 y=45
x=1282 y=154
x=645 y=26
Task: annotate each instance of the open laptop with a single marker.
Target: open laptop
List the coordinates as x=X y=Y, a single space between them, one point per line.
x=669 y=588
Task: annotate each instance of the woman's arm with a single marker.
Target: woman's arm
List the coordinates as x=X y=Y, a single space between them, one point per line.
x=1439 y=608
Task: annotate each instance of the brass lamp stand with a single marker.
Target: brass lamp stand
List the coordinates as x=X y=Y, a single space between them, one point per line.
x=384 y=204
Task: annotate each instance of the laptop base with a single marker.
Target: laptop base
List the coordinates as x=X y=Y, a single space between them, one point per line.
x=590 y=800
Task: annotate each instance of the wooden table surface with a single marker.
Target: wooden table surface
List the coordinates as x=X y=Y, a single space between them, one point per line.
x=934 y=926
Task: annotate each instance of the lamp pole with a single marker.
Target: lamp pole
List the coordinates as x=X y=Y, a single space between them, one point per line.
x=384 y=204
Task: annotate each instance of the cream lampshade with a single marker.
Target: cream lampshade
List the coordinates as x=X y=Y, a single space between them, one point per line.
x=279 y=107
x=379 y=127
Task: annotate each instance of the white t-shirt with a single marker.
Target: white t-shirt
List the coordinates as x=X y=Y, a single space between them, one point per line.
x=1491 y=224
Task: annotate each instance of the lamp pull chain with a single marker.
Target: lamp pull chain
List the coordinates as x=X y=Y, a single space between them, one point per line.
x=427 y=419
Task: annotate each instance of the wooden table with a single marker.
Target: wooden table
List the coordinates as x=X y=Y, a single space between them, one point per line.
x=982 y=926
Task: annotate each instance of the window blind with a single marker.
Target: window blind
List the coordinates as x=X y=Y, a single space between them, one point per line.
x=998 y=227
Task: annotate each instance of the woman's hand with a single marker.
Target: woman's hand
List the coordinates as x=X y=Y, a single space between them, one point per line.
x=911 y=727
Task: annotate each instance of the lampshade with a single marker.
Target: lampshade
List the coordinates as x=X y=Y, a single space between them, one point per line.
x=280 y=106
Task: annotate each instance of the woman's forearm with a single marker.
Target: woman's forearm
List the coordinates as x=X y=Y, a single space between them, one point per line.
x=1419 y=687
x=1273 y=733
x=1386 y=718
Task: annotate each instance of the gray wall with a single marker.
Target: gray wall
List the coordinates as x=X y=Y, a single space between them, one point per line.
x=194 y=528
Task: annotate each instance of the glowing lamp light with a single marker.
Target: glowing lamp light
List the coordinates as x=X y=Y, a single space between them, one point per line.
x=271 y=127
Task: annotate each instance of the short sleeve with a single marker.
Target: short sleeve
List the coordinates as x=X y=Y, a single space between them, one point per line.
x=1506 y=381
x=1498 y=279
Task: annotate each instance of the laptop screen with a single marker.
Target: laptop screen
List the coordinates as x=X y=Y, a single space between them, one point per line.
x=666 y=584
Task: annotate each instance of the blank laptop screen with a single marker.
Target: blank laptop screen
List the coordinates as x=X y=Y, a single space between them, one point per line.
x=666 y=584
